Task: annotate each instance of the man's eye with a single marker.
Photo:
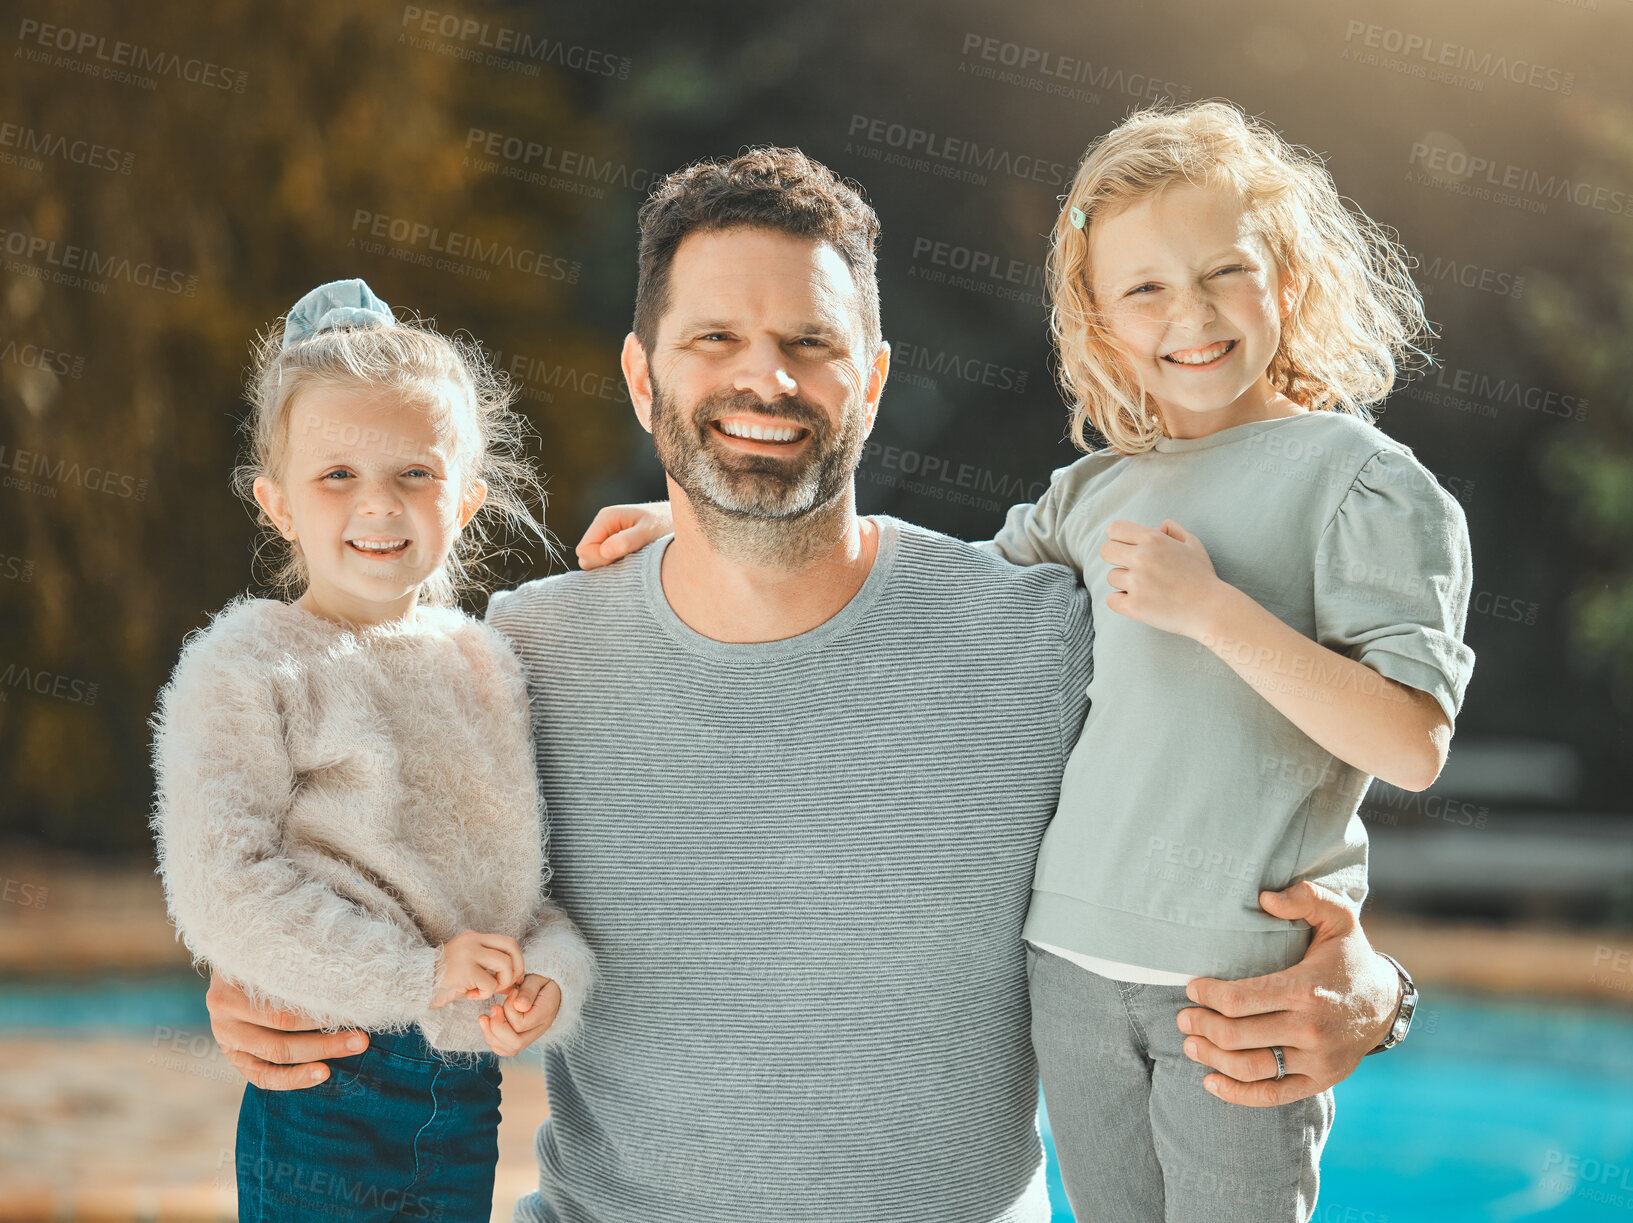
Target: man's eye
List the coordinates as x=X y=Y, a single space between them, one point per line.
x=417 y=471
x=813 y=340
x=714 y=335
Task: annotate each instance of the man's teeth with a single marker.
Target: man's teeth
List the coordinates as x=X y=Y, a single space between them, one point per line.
x=387 y=545
x=758 y=433
x=1201 y=356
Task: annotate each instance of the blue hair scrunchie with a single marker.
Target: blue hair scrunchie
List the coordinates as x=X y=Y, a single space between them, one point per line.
x=339 y=303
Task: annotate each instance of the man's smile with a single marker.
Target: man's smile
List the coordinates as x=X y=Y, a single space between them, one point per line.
x=760 y=434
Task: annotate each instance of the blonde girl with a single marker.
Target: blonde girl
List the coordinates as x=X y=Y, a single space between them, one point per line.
x=347 y=819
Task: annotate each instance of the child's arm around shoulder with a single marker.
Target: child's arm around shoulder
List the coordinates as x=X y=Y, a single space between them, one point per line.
x=618 y=530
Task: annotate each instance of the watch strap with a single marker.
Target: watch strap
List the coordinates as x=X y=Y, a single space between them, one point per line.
x=1403 y=1013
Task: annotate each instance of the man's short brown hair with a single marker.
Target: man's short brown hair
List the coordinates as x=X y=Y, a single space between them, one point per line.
x=762 y=188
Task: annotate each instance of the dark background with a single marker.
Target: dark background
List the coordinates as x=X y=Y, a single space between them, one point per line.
x=147 y=233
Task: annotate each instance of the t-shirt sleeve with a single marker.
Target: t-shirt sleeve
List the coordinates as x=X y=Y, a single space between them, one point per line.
x=1393 y=575
x=1032 y=533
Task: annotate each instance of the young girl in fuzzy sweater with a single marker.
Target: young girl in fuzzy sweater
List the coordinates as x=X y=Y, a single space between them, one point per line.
x=1280 y=591
x=347 y=816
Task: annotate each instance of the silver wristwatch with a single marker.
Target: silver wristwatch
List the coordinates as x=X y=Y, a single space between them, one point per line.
x=1403 y=1016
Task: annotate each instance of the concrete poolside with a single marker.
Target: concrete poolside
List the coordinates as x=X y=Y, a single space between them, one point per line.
x=139 y=1125
x=142 y=1128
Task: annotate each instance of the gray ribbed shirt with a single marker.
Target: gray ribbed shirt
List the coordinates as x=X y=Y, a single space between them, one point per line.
x=803 y=866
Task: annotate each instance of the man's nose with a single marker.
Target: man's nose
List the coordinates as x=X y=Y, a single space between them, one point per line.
x=764 y=371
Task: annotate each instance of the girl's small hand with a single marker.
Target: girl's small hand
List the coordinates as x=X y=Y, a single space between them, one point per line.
x=527 y=1013
x=475 y=965
x=1162 y=576
x=619 y=530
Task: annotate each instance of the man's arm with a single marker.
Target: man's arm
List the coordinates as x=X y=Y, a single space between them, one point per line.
x=275 y=1050
x=1326 y=1012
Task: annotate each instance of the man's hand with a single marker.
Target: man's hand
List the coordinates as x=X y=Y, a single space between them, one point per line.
x=1326 y=1012
x=526 y=1014
x=275 y=1050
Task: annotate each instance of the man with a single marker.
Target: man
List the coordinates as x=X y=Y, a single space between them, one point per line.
x=797 y=764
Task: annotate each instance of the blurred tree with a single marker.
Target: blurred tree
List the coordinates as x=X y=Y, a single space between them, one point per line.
x=252 y=197
x=1585 y=325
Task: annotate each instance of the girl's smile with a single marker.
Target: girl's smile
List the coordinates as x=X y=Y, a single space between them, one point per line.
x=1209 y=357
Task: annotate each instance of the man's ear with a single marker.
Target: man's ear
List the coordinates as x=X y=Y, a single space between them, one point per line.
x=271 y=500
x=877 y=373
x=638 y=377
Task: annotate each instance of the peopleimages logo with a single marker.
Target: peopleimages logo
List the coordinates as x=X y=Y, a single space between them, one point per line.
x=498 y=44
x=27 y=140
x=1453 y=169
x=1437 y=53
x=62 y=263
x=109 y=59
x=456 y=247
x=940 y=153
x=1059 y=75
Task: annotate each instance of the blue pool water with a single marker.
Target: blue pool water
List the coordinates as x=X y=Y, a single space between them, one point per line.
x=1491 y=1112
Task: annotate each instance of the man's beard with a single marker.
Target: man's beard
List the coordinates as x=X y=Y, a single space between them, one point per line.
x=761 y=508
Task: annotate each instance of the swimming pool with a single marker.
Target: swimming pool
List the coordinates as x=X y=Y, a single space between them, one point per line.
x=1493 y=1111
x=1490 y=1112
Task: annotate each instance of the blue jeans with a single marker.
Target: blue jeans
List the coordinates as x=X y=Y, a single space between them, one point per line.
x=394 y=1133
x=1139 y=1139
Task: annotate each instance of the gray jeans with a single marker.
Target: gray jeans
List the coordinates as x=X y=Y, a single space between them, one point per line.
x=1139 y=1139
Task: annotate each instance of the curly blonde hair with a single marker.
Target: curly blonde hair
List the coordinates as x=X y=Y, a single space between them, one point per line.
x=1357 y=320
x=452 y=379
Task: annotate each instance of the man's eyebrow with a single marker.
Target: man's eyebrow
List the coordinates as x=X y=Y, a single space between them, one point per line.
x=827 y=328
x=824 y=326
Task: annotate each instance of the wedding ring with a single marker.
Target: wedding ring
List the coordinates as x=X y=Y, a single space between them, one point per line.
x=1281 y=1062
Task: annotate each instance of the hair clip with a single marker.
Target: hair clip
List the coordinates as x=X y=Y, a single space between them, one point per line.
x=1078 y=219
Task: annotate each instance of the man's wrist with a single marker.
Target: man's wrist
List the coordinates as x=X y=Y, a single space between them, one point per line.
x=1400 y=1018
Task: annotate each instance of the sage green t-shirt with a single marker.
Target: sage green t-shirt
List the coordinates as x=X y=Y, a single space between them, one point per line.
x=1188 y=792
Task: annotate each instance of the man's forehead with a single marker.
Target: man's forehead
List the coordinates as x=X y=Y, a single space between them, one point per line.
x=764 y=271
x=742 y=255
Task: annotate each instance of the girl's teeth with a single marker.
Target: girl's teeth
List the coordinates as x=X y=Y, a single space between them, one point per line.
x=393 y=546
x=1203 y=356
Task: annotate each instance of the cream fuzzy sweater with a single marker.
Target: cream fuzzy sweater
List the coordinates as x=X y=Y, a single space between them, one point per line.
x=334 y=804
